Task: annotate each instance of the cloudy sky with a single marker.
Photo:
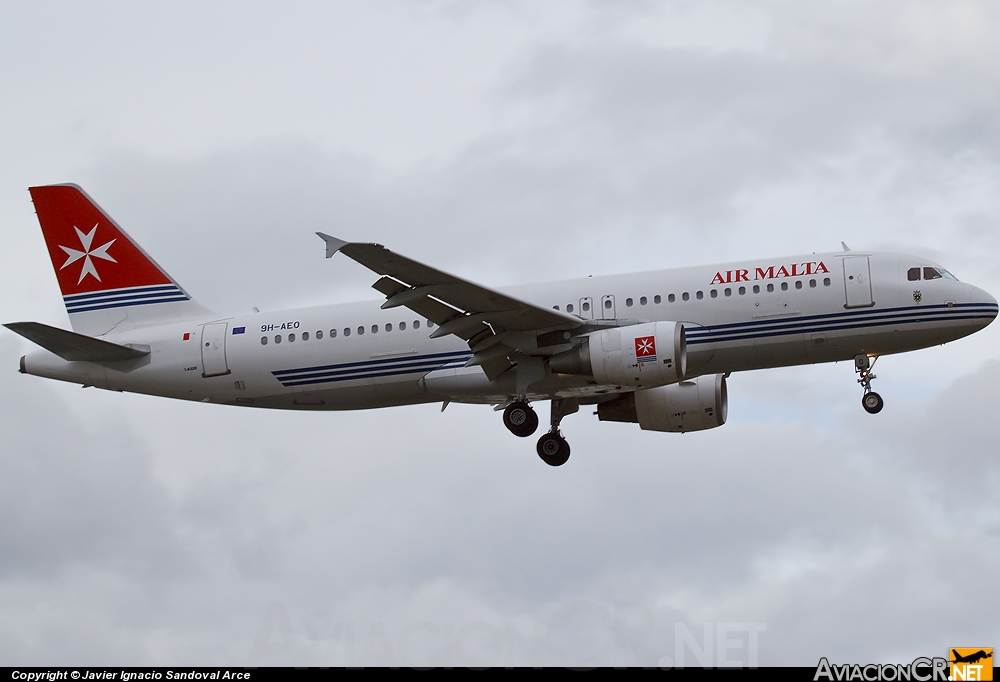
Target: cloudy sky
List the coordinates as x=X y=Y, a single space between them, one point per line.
x=507 y=142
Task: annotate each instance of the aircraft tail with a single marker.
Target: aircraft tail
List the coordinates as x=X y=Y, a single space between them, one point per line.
x=107 y=280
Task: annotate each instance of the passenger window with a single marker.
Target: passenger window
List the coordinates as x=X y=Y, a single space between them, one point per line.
x=416 y=324
x=333 y=333
x=402 y=326
x=913 y=274
x=742 y=290
x=699 y=295
x=798 y=285
x=585 y=306
x=715 y=293
x=388 y=326
x=826 y=281
x=812 y=284
x=569 y=307
x=728 y=292
x=607 y=305
x=347 y=331
x=430 y=324
x=291 y=338
x=628 y=302
x=671 y=298
x=931 y=273
x=642 y=300
x=277 y=339
x=770 y=288
x=784 y=286
x=374 y=329
x=305 y=336
x=657 y=299
x=361 y=331
x=756 y=289
x=685 y=296
x=263 y=340
x=319 y=334
x=555 y=307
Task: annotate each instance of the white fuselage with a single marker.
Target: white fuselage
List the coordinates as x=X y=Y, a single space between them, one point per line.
x=789 y=311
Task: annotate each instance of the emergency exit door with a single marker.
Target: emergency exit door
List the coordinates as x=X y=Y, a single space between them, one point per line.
x=213 y=349
x=608 y=307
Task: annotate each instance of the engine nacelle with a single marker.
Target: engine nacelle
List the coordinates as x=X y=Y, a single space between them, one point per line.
x=695 y=405
x=649 y=354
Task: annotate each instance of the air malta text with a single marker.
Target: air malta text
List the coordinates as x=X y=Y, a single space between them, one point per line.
x=771 y=272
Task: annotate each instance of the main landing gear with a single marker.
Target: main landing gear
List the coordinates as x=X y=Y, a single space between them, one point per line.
x=521 y=420
x=871 y=401
x=553 y=449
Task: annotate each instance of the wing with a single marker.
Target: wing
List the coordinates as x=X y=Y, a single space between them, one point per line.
x=495 y=325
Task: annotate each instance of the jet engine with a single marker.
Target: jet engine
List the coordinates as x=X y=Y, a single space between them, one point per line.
x=649 y=354
x=693 y=405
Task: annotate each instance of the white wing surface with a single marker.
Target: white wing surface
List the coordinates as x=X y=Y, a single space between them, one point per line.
x=495 y=325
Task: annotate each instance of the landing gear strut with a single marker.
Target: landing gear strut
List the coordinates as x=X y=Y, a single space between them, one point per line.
x=552 y=447
x=520 y=419
x=871 y=401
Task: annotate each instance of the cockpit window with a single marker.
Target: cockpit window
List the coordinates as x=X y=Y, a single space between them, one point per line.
x=913 y=274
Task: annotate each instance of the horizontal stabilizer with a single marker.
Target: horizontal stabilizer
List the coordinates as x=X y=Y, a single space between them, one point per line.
x=75 y=347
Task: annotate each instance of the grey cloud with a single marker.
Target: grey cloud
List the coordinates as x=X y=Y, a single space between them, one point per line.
x=148 y=531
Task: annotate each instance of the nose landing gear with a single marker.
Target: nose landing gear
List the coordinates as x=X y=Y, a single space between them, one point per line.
x=871 y=401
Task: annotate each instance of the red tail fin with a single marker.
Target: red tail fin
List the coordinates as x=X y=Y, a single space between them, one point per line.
x=99 y=267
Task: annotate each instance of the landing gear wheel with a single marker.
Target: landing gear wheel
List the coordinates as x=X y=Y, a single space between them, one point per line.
x=872 y=402
x=553 y=449
x=520 y=419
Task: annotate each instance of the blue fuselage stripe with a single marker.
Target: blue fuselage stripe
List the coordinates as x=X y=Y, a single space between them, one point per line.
x=375 y=363
x=371 y=368
x=371 y=373
x=837 y=322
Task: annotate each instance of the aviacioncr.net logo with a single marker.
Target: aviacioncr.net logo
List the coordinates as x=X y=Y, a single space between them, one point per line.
x=920 y=670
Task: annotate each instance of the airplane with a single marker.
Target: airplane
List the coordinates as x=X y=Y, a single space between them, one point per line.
x=651 y=348
x=971 y=658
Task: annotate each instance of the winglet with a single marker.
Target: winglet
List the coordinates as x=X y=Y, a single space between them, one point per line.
x=333 y=245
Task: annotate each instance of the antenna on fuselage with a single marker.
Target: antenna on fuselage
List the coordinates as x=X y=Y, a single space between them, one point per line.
x=846 y=247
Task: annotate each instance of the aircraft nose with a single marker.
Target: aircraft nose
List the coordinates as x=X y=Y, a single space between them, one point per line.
x=982 y=298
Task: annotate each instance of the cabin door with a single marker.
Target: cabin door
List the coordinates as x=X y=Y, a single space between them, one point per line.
x=213 y=350
x=857 y=282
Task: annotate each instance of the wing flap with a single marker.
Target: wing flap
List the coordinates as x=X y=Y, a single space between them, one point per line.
x=75 y=347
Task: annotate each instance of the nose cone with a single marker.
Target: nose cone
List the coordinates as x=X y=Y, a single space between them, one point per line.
x=984 y=304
